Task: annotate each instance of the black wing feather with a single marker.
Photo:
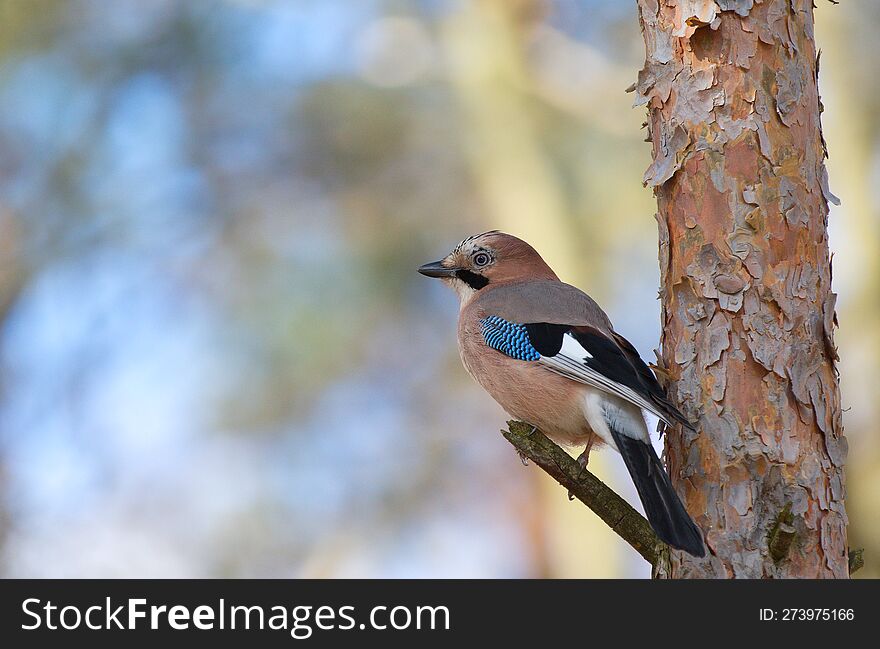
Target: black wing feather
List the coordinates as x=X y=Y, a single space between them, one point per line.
x=546 y=338
x=614 y=358
x=610 y=360
x=618 y=356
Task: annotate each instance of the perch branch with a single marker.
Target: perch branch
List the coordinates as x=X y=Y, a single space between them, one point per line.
x=618 y=514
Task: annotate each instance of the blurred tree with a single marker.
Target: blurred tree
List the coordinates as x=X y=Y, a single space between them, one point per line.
x=748 y=312
x=488 y=53
x=850 y=123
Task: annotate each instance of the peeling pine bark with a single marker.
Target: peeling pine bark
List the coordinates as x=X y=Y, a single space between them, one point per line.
x=747 y=307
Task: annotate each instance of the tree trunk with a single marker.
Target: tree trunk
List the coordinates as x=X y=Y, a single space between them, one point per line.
x=747 y=308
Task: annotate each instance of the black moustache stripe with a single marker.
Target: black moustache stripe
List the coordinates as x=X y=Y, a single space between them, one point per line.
x=474 y=280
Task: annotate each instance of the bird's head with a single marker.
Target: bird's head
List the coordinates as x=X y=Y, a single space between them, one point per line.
x=488 y=259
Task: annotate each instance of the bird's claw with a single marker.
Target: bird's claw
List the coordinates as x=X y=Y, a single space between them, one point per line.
x=583 y=460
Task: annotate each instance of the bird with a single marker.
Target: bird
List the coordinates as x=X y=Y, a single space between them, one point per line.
x=549 y=355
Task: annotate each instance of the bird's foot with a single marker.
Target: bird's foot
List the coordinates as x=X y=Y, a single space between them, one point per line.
x=583 y=460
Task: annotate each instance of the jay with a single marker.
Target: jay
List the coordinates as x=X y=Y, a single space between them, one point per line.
x=547 y=353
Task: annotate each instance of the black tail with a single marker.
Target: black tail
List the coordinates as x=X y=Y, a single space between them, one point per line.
x=665 y=512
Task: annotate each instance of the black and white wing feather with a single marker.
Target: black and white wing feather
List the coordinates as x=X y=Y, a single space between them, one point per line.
x=611 y=364
x=575 y=339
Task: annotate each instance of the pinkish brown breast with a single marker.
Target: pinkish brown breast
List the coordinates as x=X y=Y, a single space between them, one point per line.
x=526 y=390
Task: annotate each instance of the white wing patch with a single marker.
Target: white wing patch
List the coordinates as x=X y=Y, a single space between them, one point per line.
x=570 y=363
x=572 y=348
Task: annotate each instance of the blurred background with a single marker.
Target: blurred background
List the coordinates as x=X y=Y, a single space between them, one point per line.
x=216 y=357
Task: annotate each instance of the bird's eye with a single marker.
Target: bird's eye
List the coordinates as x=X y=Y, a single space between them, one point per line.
x=481 y=259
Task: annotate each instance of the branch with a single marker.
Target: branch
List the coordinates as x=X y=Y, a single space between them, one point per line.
x=625 y=521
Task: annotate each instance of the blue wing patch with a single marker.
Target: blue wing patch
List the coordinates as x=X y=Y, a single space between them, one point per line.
x=508 y=338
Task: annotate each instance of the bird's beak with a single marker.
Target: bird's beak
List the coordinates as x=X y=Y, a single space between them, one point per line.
x=437 y=269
